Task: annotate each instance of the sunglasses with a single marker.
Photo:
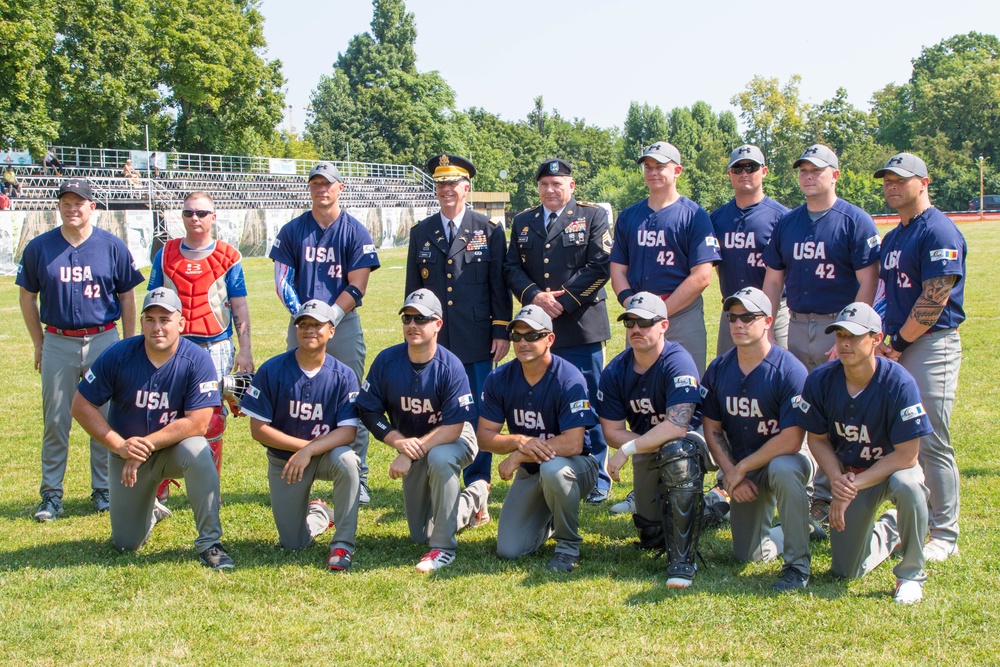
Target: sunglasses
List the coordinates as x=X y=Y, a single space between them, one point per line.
x=745 y=318
x=747 y=168
x=196 y=214
x=631 y=322
x=419 y=319
x=531 y=336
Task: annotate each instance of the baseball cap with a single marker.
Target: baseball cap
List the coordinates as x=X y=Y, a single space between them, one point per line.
x=905 y=165
x=78 y=186
x=553 y=167
x=819 y=155
x=646 y=306
x=424 y=302
x=857 y=318
x=327 y=171
x=747 y=152
x=534 y=317
x=754 y=300
x=662 y=152
x=164 y=297
x=320 y=311
x=449 y=168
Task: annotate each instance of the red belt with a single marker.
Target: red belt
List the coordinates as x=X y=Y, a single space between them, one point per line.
x=80 y=333
x=856 y=471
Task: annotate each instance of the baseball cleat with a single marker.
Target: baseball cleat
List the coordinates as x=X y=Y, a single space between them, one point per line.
x=597 y=496
x=216 y=558
x=160 y=512
x=101 y=499
x=364 y=495
x=816 y=532
x=626 y=506
x=819 y=510
x=937 y=550
x=48 y=509
x=908 y=591
x=790 y=580
x=434 y=560
x=563 y=562
x=483 y=515
x=339 y=560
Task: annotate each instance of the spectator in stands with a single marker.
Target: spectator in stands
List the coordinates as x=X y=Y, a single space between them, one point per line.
x=154 y=171
x=11 y=186
x=53 y=163
x=4 y=202
x=132 y=174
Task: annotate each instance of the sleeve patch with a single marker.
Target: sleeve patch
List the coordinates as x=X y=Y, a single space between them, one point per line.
x=703 y=390
x=465 y=400
x=874 y=241
x=600 y=395
x=682 y=381
x=712 y=242
x=364 y=385
x=208 y=387
x=89 y=377
x=579 y=406
x=606 y=241
x=912 y=412
x=944 y=255
x=352 y=397
x=800 y=404
x=253 y=391
x=368 y=248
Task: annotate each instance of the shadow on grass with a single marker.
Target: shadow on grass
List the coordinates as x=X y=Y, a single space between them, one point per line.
x=978 y=472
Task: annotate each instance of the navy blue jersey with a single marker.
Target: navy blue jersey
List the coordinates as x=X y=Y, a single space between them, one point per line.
x=928 y=247
x=79 y=286
x=866 y=427
x=417 y=401
x=282 y=395
x=642 y=400
x=820 y=258
x=743 y=234
x=661 y=247
x=143 y=398
x=322 y=258
x=753 y=408
x=556 y=403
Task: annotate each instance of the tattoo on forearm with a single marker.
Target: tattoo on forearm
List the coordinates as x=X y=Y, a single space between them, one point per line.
x=680 y=415
x=242 y=328
x=933 y=299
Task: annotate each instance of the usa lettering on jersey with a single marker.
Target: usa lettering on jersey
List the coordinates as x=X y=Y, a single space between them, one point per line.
x=651 y=238
x=152 y=400
x=891 y=260
x=75 y=274
x=416 y=406
x=529 y=419
x=305 y=411
x=320 y=254
x=739 y=240
x=912 y=412
x=809 y=250
x=742 y=406
x=852 y=433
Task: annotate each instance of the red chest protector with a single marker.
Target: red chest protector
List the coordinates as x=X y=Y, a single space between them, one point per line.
x=201 y=286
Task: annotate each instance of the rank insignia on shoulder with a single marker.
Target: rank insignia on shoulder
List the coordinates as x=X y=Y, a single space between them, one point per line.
x=588 y=204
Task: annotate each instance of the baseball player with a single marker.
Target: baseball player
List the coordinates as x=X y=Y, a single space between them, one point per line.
x=327 y=254
x=665 y=245
x=543 y=400
x=923 y=269
x=647 y=399
x=864 y=421
x=748 y=411
x=458 y=255
x=824 y=255
x=743 y=228
x=558 y=260
x=162 y=390
x=301 y=407
x=75 y=281
x=208 y=277
x=416 y=399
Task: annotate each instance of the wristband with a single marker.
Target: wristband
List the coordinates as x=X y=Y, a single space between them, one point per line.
x=624 y=295
x=338 y=315
x=899 y=343
x=355 y=294
x=628 y=449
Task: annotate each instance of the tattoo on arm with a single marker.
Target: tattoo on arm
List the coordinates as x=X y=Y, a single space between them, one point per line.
x=680 y=415
x=933 y=299
x=723 y=441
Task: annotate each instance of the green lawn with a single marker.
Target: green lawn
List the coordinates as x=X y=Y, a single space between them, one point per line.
x=67 y=598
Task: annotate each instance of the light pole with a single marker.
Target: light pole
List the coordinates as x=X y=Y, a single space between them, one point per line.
x=981 y=191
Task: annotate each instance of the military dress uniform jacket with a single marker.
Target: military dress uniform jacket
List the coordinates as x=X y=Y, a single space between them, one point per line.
x=467 y=276
x=572 y=255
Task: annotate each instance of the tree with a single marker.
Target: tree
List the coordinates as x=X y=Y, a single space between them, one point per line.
x=838 y=124
x=25 y=45
x=892 y=108
x=644 y=125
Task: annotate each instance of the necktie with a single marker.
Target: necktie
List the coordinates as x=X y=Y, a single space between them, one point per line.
x=451 y=231
x=552 y=219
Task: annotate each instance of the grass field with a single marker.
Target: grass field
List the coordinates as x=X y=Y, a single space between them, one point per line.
x=67 y=598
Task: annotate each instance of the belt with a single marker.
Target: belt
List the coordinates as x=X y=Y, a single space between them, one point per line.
x=856 y=471
x=813 y=317
x=80 y=333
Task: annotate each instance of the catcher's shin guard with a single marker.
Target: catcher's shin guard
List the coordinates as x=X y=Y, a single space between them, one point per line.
x=216 y=426
x=650 y=533
x=682 y=470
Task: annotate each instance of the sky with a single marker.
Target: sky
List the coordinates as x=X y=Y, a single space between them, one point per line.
x=589 y=60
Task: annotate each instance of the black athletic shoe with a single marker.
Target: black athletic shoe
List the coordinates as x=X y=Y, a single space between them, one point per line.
x=216 y=558
x=562 y=562
x=50 y=508
x=790 y=580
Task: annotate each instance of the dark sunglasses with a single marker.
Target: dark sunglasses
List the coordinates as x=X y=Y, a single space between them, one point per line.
x=419 y=319
x=199 y=214
x=531 y=336
x=745 y=318
x=747 y=168
x=630 y=322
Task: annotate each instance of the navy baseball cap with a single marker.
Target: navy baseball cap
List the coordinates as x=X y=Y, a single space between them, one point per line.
x=553 y=167
x=534 y=317
x=645 y=306
x=857 y=318
x=327 y=171
x=905 y=165
x=164 y=297
x=424 y=302
x=320 y=311
x=747 y=152
x=754 y=300
x=78 y=186
x=662 y=152
x=449 y=168
x=819 y=155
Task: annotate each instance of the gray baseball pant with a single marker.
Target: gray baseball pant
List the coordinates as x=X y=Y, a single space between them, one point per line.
x=934 y=361
x=65 y=360
x=546 y=504
x=132 y=507
x=431 y=492
x=687 y=329
x=865 y=542
x=297 y=526
x=724 y=343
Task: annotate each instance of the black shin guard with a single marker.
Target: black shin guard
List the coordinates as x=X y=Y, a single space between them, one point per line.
x=682 y=471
